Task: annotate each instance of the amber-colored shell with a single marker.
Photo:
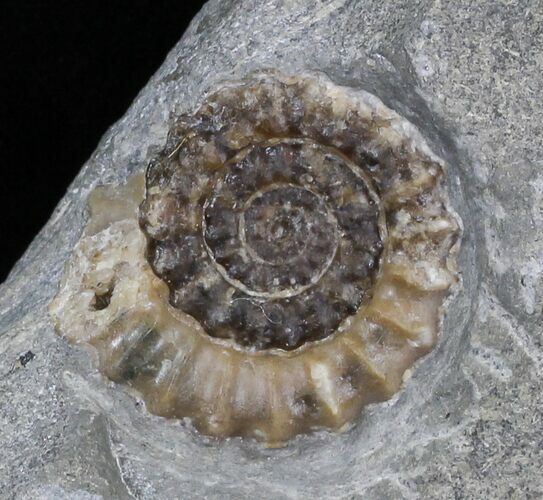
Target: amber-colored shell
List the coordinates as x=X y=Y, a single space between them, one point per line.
x=126 y=289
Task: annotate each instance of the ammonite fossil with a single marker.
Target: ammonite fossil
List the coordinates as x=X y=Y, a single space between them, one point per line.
x=284 y=265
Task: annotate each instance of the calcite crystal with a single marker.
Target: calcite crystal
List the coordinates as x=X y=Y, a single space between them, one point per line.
x=293 y=251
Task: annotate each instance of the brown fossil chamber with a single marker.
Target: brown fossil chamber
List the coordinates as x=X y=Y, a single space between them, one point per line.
x=288 y=261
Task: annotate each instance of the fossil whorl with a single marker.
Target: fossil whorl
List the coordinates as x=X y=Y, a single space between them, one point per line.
x=280 y=246
x=290 y=260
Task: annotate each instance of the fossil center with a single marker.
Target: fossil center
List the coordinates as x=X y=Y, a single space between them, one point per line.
x=286 y=248
x=278 y=223
x=284 y=241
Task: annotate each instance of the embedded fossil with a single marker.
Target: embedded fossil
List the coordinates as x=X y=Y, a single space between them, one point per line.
x=287 y=264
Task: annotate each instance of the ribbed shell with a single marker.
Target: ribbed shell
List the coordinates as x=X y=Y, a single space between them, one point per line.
x=112 y=299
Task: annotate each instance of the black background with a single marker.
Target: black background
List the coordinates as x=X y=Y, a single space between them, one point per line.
x=68 y=70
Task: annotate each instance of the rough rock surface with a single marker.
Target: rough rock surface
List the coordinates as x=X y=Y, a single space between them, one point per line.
x=469 y=423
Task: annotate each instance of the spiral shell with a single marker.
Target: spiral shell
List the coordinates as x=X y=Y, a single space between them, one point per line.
x=288 y=263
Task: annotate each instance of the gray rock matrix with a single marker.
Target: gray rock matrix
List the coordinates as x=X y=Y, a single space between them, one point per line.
x=469 y=422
